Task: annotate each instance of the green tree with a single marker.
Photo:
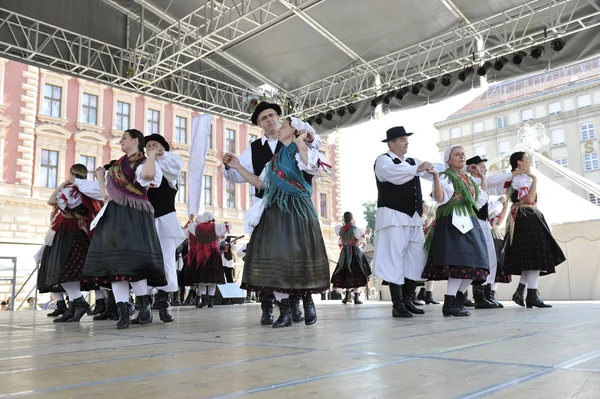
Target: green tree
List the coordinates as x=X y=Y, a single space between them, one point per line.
x=369 y=210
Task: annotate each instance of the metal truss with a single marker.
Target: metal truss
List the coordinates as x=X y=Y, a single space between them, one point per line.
x=519 y=28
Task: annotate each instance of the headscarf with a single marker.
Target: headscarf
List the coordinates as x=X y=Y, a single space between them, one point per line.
x=448 y=152
x=300 y=125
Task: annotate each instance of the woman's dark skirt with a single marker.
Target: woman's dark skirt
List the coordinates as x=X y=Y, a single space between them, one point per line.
x=356 y=274
x=125 y=247
x=532 y=246
x=456 y=255
x=209 y=273
x=286 y=253
x=43 y=270
x=501 y=275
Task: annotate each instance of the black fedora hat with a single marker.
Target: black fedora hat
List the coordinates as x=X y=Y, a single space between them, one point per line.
x=262 y=107
x=475 y=160
x=395 y=132
x=158 y=138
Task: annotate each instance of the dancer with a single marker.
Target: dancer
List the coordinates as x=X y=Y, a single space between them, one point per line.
x=456 y=244
x=286 y=253
x=529 y=248
x=125 y=248
x=352 y=271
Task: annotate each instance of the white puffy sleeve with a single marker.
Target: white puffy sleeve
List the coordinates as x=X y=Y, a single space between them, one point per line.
x=171 y=166
x=482 y=199
x=242 y=251
x=494 y=208
x=91 y=188
x=69 y=198
x=312 y=164
x=359 y=233
x=447 y=189
x=387 y=170
x=220 y=229
x=246 y=161
x=521 y=184
x=149 y=183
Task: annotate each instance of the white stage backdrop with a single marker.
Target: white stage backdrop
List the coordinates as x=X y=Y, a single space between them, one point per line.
x=201 y=126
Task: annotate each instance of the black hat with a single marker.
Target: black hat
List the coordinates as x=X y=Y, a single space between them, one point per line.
x=396 y=132
x=261 y=107
x=158 y=138
x=475 y=160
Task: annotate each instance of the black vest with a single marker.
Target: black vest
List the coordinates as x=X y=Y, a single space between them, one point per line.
x=483 y=213
x=261 y=155
x=162 y=198
x=406 y=198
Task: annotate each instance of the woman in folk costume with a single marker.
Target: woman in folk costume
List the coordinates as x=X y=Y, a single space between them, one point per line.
x=205 y=266
x=125 y=249
x=529 y=248
x=286 y=253
x=75 y=209
x=456 y=244
x=352 y=271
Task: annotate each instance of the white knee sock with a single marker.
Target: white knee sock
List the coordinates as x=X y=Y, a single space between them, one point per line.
x=464 y=285
x=453 y=286
x=523 y=279
x=73 y=289
x=494 y=286
x=120 y=290
x=212 y=288
x=533 y=277
x=201 y=290
x=429 y=285
x=279 y=296
x=58 y=296
x=140 y=288
x=99 y=294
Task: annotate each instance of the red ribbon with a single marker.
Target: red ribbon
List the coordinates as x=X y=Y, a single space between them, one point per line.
x=323 y=164
x=507 y=184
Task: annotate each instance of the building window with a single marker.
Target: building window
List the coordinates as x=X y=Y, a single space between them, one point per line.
x=123 y=116
x=90 y=164
x=554 y=108
x=502 y=121
x=481 y=151
x=594 y=199
x=153 y=122
x=207 y=187
x=562 y=162
x=455 y=132
x=181 y=129
x=323 y=204
x=230 y=195
x=527 y=115
x=478 y=127
x=503 y=146
x=182 y=188
x=584 y=101
x=558 y=136
x=591 y=161
x=251 y=139
x=230 y=140
x=52 y=99
x=588 y=131
x=49 y=168
x=89 y=109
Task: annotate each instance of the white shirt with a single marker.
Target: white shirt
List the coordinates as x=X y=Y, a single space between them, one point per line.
x=167 y=226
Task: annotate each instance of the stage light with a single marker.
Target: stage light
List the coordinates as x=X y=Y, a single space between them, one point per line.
x=500 y=62
x=466 y=73
x=537 y=52
x=519 y=57
x=329 y=115
x=376 y=101
x=319 y=119
x=431 y=84
x=446 y=80
x=557 y=44
x=405 y=90
x=351 y=108
x=399 y=95
x=416 y=88
x=341 y=112
x=482 y=70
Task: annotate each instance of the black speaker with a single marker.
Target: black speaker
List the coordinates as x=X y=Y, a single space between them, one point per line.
x=229 y=293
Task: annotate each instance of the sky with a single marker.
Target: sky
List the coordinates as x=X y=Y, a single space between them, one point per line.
x=360 y=145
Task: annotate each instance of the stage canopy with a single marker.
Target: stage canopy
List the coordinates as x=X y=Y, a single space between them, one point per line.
x=331 y=60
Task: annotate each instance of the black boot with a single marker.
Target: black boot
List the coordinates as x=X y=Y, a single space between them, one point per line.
x=452 y=306
x=422 y=294
x=460 y=302
x=138 y=306
x=99 y=307
x=61 y=308
x=210 y=301
x=201 y=301
x=466 y=301
x=519 y=295
x=357 y=300
x=479 y=298
x=346 y=297
x=285 y=314
x=297 y=316
x=81 y=308
x=534 y=300
x=310 y=311
x=162 y=299
x=490 y=296
x=398 y=308
x=415 y=300
x=190 y=300
x=429 y=299
x=110 y=311
x=267 y=312
x=144 y=315
x=408 y=289
x=123 y=311
x=67 y=315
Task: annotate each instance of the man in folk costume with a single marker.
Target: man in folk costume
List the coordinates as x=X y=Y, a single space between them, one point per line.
x=254 y=159
x=399 y=257
x=168 y=227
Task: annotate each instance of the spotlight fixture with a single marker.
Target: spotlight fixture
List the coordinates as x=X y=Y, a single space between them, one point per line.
x=376 y=101
x=431 y=84
x=329 y=115
x=519 y=57
x=399 y=95
x=416 y=88
x=319 y=119
x=341 y=112
x=466 y=73
x=482 y=70
x=557 y=44
x=405 y=90
x=311 y=120
x=537 y=52
x=500 y=62
x=446 y=80
x=351 y=108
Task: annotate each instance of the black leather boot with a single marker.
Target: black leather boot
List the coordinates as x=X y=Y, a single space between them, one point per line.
x=267 y=312
x=422 y=294
x=346 y=297
x=123 y=311
x=190 y=300
x=460 y=302
x=297 y=316
x=429 y=299
x=415 y=300
x=519 y=295
x=61 y=308
x=479 y=298
x=466 y=301
x=162 y=299
x=285 y=314
x=81 y=308
x=452 y=306
x=357 y=300
x=408 y=289
x=490 y=296
x=210 y=301
x=153 y=302
x=310 y=311
x=67 y=315
x=144 y=315
x=398 y=308
x=138 y=306
x=110 y=311
x=201 y=301
x=99 y=307
x=534 y=300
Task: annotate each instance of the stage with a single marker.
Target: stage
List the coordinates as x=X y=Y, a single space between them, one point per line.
x=354 y=351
